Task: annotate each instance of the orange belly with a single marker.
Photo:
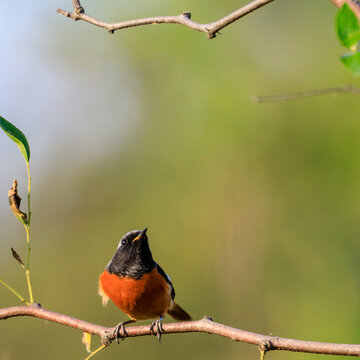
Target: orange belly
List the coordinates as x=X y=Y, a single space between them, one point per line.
x=147 y=298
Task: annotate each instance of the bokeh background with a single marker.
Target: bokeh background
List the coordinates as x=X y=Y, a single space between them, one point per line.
x=252 y=209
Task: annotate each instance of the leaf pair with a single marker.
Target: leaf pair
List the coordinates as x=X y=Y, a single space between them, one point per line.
x=348 y=31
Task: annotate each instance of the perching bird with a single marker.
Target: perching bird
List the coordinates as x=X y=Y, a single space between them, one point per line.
x=137 y=285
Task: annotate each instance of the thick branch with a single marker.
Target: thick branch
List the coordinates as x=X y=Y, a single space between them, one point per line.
x=204 y=325
x=184 y=19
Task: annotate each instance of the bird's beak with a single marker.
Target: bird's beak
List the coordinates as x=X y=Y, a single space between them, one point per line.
x=141 y=235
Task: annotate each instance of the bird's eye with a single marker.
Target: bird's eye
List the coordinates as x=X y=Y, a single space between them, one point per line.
x=123 y=242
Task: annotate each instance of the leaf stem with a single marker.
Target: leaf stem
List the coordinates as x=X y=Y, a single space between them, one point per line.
x=96 y=351
x=14 y=292
x=29 y=190
x=27 y=229
x=27 y=271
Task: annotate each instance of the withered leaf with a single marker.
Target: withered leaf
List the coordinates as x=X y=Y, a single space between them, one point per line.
x=14 y=201
x=86 y=340
x=17 y=257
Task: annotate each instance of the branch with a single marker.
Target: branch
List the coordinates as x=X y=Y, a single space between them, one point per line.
x=205 y=325
x=345 y=89
x=210 y=29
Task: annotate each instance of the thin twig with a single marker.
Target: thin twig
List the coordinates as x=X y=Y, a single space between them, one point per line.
x=21 y=298
x=78 y=9
x=96 y=351
x=205 y=325
x=27 y=229
x=210 y=29
x=349 y=89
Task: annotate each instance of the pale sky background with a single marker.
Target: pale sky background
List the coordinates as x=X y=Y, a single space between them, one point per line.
x=45 y=81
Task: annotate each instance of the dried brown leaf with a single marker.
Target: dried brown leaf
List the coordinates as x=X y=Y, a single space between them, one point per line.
x=86 y=340
x=14 y=201
x=17 y=257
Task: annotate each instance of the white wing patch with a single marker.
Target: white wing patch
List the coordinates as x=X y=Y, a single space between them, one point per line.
x=104 y=297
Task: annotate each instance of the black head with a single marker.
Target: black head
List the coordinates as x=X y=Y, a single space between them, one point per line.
x=133 y=256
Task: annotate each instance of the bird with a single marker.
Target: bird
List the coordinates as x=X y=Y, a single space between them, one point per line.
x=138 y=286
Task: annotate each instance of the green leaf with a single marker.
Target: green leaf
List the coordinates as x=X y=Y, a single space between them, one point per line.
x=17 y=136
x=352 y=62
x=347 y=27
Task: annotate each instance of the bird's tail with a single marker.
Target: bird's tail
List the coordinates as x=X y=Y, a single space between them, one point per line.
x=178 y=313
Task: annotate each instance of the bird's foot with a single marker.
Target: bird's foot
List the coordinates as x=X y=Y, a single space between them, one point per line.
x=107 y=337
x=159 y=328
x=118 y=332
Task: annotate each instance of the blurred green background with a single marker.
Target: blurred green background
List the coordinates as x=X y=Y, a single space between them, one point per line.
x=252 y=209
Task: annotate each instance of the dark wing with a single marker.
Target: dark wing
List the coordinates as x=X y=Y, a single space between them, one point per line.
x=167 y=278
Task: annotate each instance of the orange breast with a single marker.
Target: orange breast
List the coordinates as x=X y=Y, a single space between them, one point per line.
x=147 y=298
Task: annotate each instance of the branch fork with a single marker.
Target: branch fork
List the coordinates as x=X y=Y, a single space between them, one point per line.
x=184 y=19
x=210 y=29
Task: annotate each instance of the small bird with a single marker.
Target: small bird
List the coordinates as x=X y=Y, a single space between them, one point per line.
x=138 y=286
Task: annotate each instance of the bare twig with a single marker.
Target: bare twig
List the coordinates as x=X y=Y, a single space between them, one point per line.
x=210 y=29
x=305 y=94
x=78 y=9
x=205 y=325
x=21 y=298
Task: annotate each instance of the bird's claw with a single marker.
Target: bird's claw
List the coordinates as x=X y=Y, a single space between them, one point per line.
x=118 y=332
x=159 y=328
